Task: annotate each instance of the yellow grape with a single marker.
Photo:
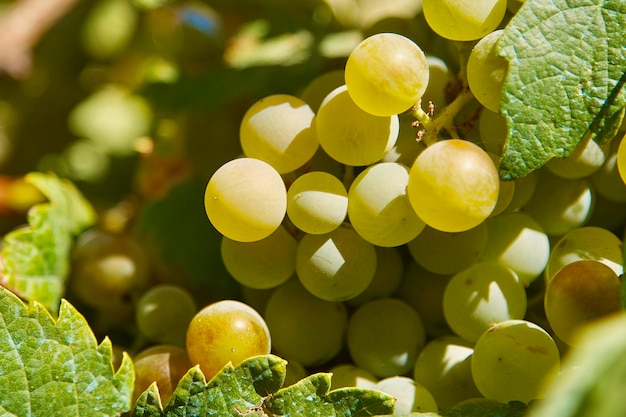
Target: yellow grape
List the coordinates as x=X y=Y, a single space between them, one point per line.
x=163 y=364
x=621 y=159
x=486 y=71
x=464 y=20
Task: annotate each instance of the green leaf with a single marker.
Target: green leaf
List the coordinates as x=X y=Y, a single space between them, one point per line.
x=35 y=259
x=54 y=367
x=567 y=60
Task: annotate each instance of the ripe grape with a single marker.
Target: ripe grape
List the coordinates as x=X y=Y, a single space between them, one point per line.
x=439 y=80
x=277 y=130
x=453 y=185
x=512 y=360
x=315 y=91
x=336 y=266
x=621 y=158
x=464 y=20
x=607 y=180
x=246 y=199
x=486 y=71
x=305 y=328
x=262 y=264
x=579 y=293
x=385 y=336
x=410 y=395
x=586 y=158
x=406 y=147
x=349 y=375
x=482 y=295
x=163 y=364
x=387 y=278
x=163 y=313
x=386 y=74
x=524 y=190
x=378 y=207
x=226 y=331
x=317 y=202
x=350 y=135
x=493 y=131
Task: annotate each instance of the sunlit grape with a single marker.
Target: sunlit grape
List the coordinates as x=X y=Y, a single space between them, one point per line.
x=464 y=20
x=411 y=396
x=486 y=71
x=163 y=364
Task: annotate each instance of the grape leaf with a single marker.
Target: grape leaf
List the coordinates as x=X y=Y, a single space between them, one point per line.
x=567 y=60
x=35 y=259
x=54 y=367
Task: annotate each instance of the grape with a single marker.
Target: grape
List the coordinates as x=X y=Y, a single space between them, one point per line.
x=336 y=266
x=385 y=336
x=263 y=264
x=349 y=375
x=386 y=74
x=453 y=185
x=448 y=253
x=586 y=158
x=493 y=131
x=444 y=368
x=579 y=293
x=351 y=135
x=406 y=147
x=505 y=196
x=439 y=80
x=517 y=241
x=277 y=130
x=486 y=71
x=378 y=207
x=226 y=331
x=524 y=190
x=512 y=360
x=163 y=313
x=410 y=396
x=163 y=364
x=586 y=243
x=317 y=202
x=294 y=373
x=305 y=328
x=315 y=91
x=387 y=278
x=479 y=297
x=607 y=180
x=621 y=158
x=464 y=20
x=246 y=199
x=560 y=205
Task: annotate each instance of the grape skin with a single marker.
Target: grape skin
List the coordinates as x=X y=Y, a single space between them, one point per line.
x=464 y=20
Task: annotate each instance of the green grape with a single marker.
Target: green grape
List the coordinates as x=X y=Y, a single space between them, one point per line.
x=336 y=266
x=305 y=328
x=439 y=80
x=315 y=91
x=524 y=190
x=586 y=243
x=621 y=158
x=226 y=331
x=464 y=20
x=448 y=253
x=560 y=205
x=444 y=368
x=349 y=375
x=486 y=71
x=386 y=74
x=505 y=196
x=317 y=202
x=410 y=396
x=586 y=158
x=607 y=180
x=277 y=130
x=163 y=313
x=482 y=295
x=378 y=207
x=294 y=373
x=578 y=294
x=512 y=360
x=256 y=298
x=108 y=269
x=493 y=131
x=517 y=241
x=163 y=364
x=406 y=147
x=109 y=28
x=350 y=135
x=385 y=336
x=246 y=199
x=607 y=214
x=453 y=185
x=387 y=278
x=262 y=264
x=423 y=290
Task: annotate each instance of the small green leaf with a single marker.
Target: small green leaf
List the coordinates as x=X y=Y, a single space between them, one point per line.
x=566 y=63
x=359 y=402
x=149 y=403
x=54 y=367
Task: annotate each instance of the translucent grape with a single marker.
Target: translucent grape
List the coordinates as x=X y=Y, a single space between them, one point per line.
x=486 y=71
x=586 y=158
x=336 y=266
x=277 y=130
x=385 y=336
x=317 y=202
x=621 y=158
x=386 y=74
x=246 y=199
x=410 y=396
x=263 y=264
x=484 y=294
x=512 y=360
x=350 y=135
x=389 y=273
x=305 y=328
x=315 y=91
x=524 y=190
x=163 y=364
x=163 y=313
x=349 y=375
x=578 y=294
x=439 y=80
x=226 y=331
x=378 y=207
x=607 y=180
x=464 y=20
x=453 y=185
